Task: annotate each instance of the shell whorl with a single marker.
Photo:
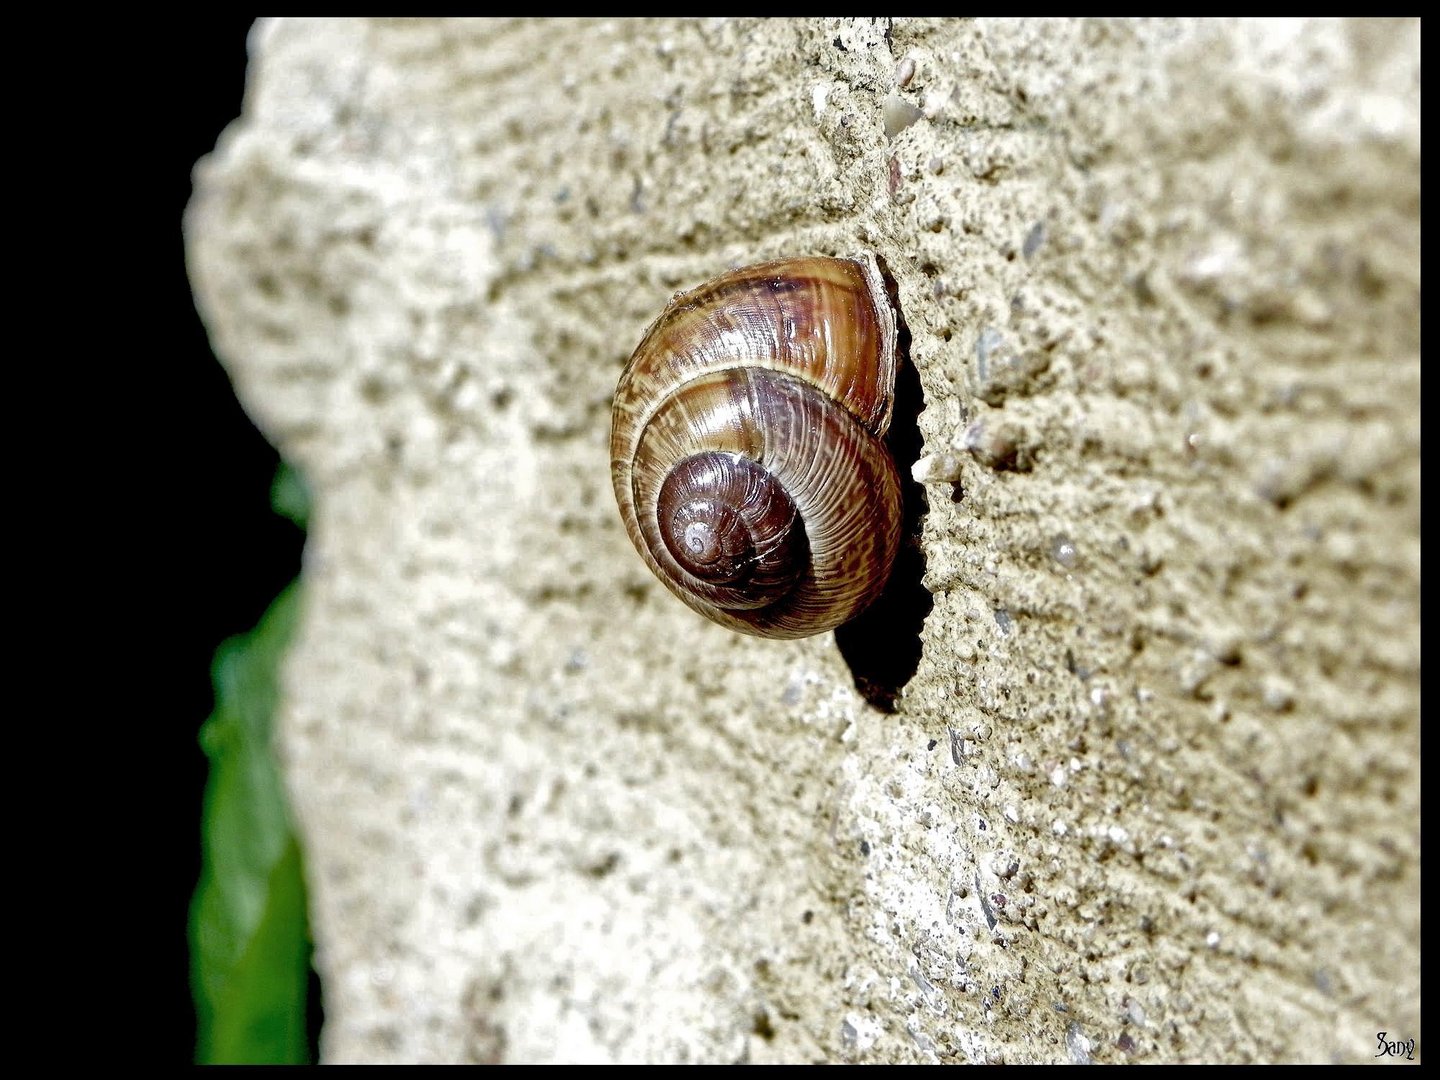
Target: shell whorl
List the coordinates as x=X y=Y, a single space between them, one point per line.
x=747 y=448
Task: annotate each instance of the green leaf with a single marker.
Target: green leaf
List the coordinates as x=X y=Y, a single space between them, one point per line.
x=249 y=941
x=289 y=495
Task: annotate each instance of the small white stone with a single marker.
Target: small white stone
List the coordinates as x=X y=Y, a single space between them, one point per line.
x=819 y=98
x=942 y=468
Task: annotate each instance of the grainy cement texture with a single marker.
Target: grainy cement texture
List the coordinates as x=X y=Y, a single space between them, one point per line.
x=1152 y=793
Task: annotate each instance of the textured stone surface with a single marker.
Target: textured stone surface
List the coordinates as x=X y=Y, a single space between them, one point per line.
x=1153 y=792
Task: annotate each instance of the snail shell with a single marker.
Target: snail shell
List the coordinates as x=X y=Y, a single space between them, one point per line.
x=748 y=445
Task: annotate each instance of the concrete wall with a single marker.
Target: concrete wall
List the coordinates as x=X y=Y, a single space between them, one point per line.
x=1128 y=772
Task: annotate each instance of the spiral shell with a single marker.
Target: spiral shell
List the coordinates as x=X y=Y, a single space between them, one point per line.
x=747 y=447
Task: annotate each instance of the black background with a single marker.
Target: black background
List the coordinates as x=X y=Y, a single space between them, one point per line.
x=228 y=555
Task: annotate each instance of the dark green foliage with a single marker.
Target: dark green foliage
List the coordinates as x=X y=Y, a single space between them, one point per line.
x=249 y=942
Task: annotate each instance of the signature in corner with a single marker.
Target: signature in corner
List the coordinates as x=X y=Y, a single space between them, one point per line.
x=1395 y=1047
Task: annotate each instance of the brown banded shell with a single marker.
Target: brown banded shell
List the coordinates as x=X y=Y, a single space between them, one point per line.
x=747 y=447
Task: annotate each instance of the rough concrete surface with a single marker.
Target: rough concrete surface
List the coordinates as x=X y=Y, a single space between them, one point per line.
x=1152 y=793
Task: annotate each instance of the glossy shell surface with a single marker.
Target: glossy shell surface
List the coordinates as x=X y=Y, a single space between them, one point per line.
x=747 y=448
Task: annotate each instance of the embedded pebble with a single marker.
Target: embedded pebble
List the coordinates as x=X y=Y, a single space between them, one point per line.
x=1033 y=241
x=996 y=445
x=898 y=114
x=1077 y=1044
x=942 y=468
